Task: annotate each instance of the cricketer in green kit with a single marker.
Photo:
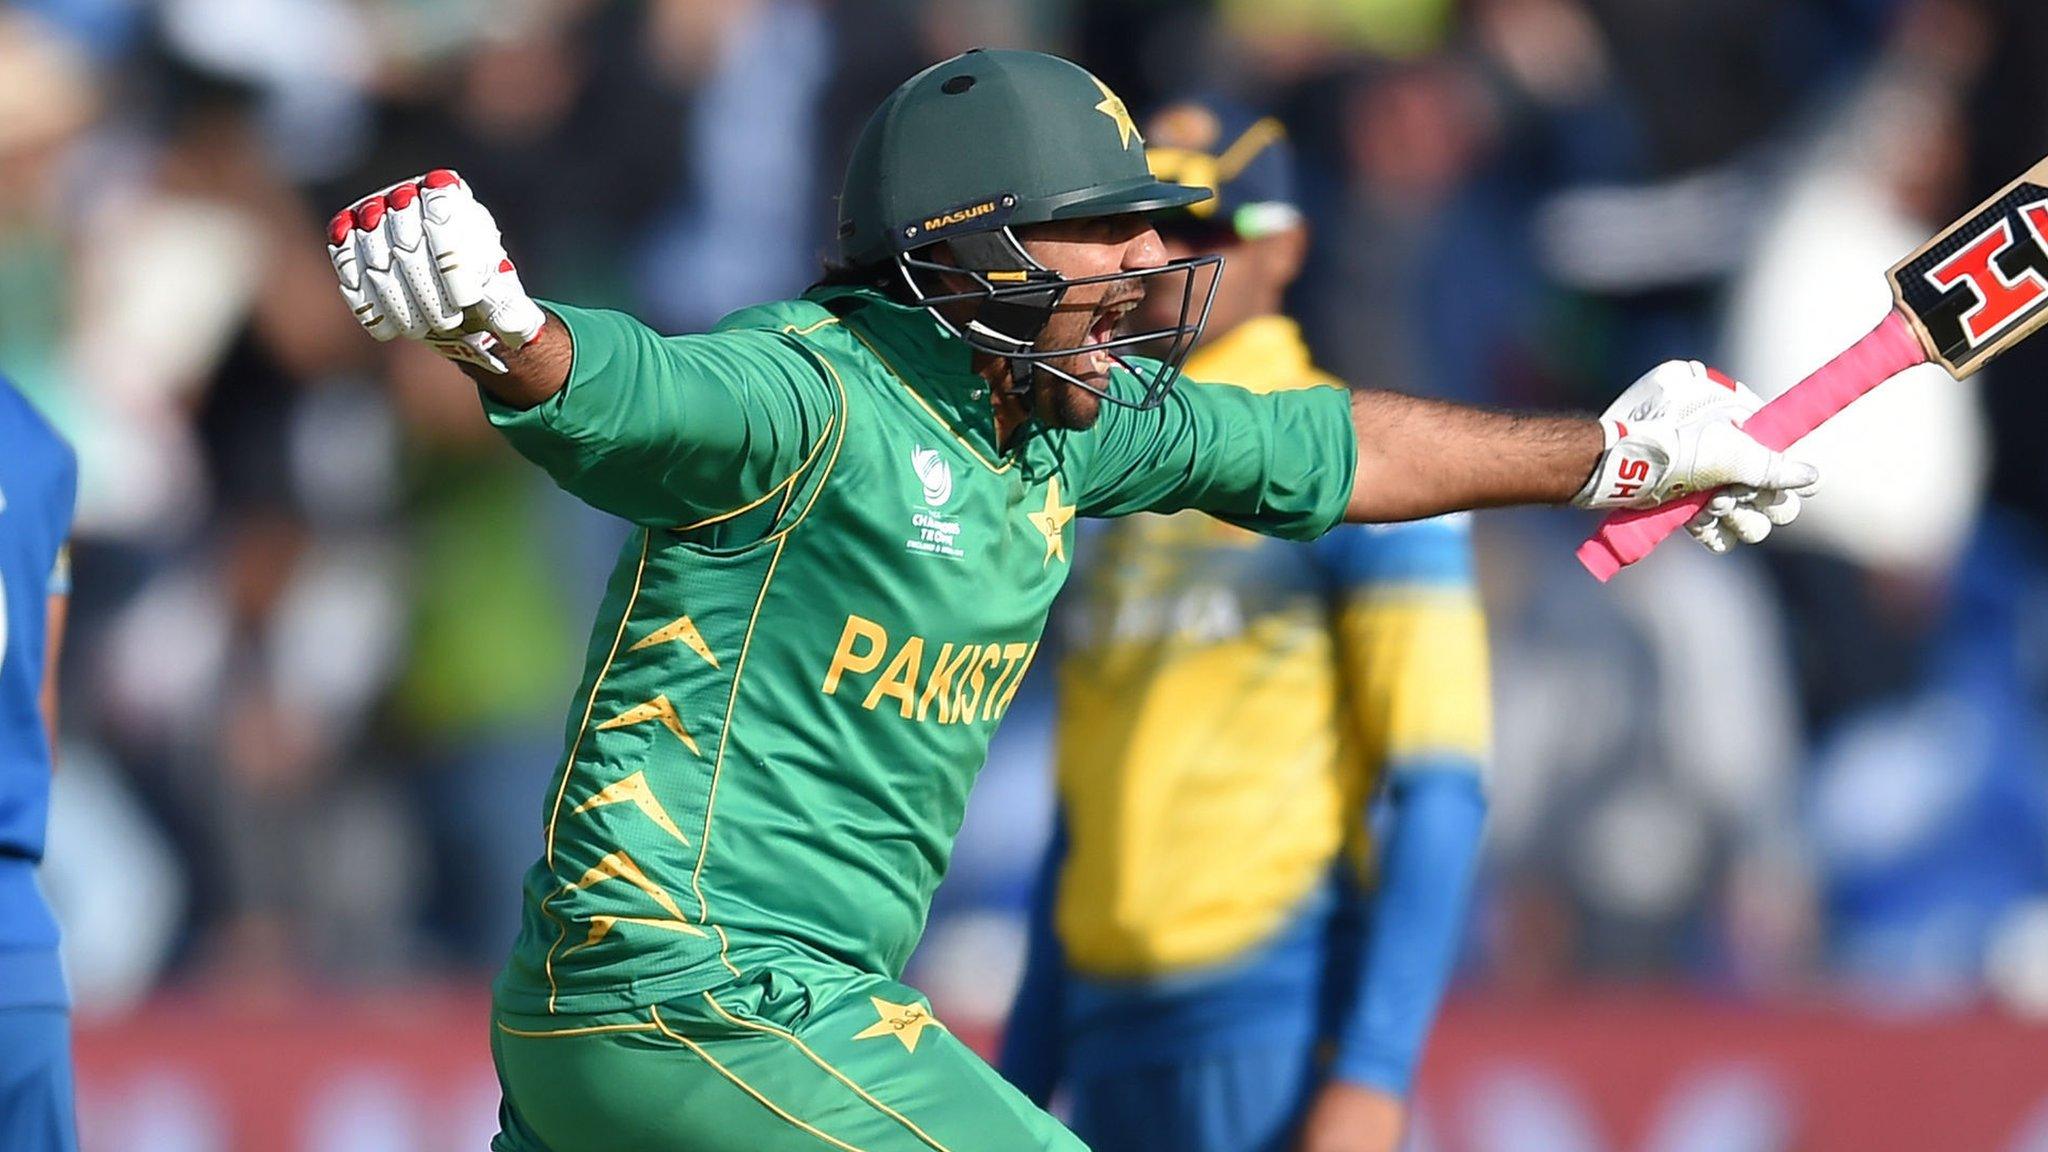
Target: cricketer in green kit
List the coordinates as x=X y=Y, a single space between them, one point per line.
x=853 y=510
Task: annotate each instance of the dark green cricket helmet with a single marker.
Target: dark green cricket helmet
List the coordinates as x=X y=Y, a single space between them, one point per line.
x=974 y=146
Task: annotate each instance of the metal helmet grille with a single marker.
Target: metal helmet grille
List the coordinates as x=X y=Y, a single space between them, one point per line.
x=1015 y=296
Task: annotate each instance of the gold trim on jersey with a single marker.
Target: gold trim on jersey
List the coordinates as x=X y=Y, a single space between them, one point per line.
x=743 y=1086
x=569 y=765
x=718 y=762
x=817 y=490
x=836 y=1074
x=789 y=481
x=902 y=382
x=827 y=322
x=781 y=537
x=786 y=485
x=569 y=762
x=561 y=1033
x=782 y=509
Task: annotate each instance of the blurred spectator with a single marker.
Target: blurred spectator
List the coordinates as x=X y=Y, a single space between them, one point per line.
x=1906 y=474
x=1625 y=821
x=2006 y=114
x=1927 y=810
x=492 y=603
x=744 y=229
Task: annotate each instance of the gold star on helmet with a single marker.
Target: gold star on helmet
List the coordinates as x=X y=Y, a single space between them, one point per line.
x=1112 y=106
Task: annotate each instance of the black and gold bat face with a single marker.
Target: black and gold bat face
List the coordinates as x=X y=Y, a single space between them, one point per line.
x=1981 y=286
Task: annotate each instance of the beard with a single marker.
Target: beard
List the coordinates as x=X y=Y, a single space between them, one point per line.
x=1061 y=404
x=1058 y=402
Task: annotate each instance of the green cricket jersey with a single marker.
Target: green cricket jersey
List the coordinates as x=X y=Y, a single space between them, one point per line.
x=837 y=583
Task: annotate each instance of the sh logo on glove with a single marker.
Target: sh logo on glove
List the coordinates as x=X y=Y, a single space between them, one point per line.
x=1675 y=427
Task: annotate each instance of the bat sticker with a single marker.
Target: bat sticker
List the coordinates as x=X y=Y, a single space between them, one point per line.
x=1984 y=283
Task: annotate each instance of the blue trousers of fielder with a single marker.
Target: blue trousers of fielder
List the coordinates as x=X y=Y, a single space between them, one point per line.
x=36 y=1110
x=1248 y=1100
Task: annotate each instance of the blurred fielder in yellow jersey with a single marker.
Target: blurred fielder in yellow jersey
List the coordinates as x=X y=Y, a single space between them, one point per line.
x=1231 y=954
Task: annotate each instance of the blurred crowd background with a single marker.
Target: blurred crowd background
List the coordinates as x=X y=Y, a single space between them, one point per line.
x=326 y=624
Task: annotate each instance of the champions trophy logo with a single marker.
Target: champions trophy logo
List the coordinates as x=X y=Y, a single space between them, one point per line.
x=934 y=473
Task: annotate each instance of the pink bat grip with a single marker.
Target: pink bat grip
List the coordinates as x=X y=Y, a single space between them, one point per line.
x=1888 y=350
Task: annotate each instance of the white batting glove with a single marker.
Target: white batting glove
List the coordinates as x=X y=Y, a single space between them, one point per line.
x=1675 y=432
x=422 y=259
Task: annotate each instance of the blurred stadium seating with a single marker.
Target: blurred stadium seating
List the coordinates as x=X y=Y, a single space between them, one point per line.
x=325 y=623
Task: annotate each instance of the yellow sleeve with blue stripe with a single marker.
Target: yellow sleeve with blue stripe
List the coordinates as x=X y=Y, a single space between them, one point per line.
x=1413 y=644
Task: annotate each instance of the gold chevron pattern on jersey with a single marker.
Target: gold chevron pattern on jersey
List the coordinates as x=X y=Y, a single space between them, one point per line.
x=786 y=701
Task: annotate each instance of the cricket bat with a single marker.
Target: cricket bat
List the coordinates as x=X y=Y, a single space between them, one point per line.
x=1975 y=290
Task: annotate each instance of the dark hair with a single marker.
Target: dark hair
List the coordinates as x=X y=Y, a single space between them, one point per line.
x=882 y=278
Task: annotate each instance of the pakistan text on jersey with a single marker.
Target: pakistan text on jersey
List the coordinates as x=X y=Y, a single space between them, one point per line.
x=960 y=684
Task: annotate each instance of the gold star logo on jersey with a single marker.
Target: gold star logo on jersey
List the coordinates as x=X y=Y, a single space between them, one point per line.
x=1053 y=521
x=1112 y=106
x=906 y=1022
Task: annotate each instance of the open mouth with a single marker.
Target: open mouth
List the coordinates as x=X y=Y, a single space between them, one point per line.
x=1103 y=330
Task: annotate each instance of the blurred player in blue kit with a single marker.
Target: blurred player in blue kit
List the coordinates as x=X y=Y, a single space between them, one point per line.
x=38 y=485
x=1229 y=954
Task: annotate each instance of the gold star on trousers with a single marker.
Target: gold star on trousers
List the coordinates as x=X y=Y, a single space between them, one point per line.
x=906 y=1022
x=1053 y=521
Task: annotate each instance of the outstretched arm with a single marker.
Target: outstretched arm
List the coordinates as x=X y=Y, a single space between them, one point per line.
x=1419 y=458
x=1293 y=463
x=1674 y=432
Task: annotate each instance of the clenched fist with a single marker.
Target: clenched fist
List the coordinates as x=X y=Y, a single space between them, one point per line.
x=422 y=259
